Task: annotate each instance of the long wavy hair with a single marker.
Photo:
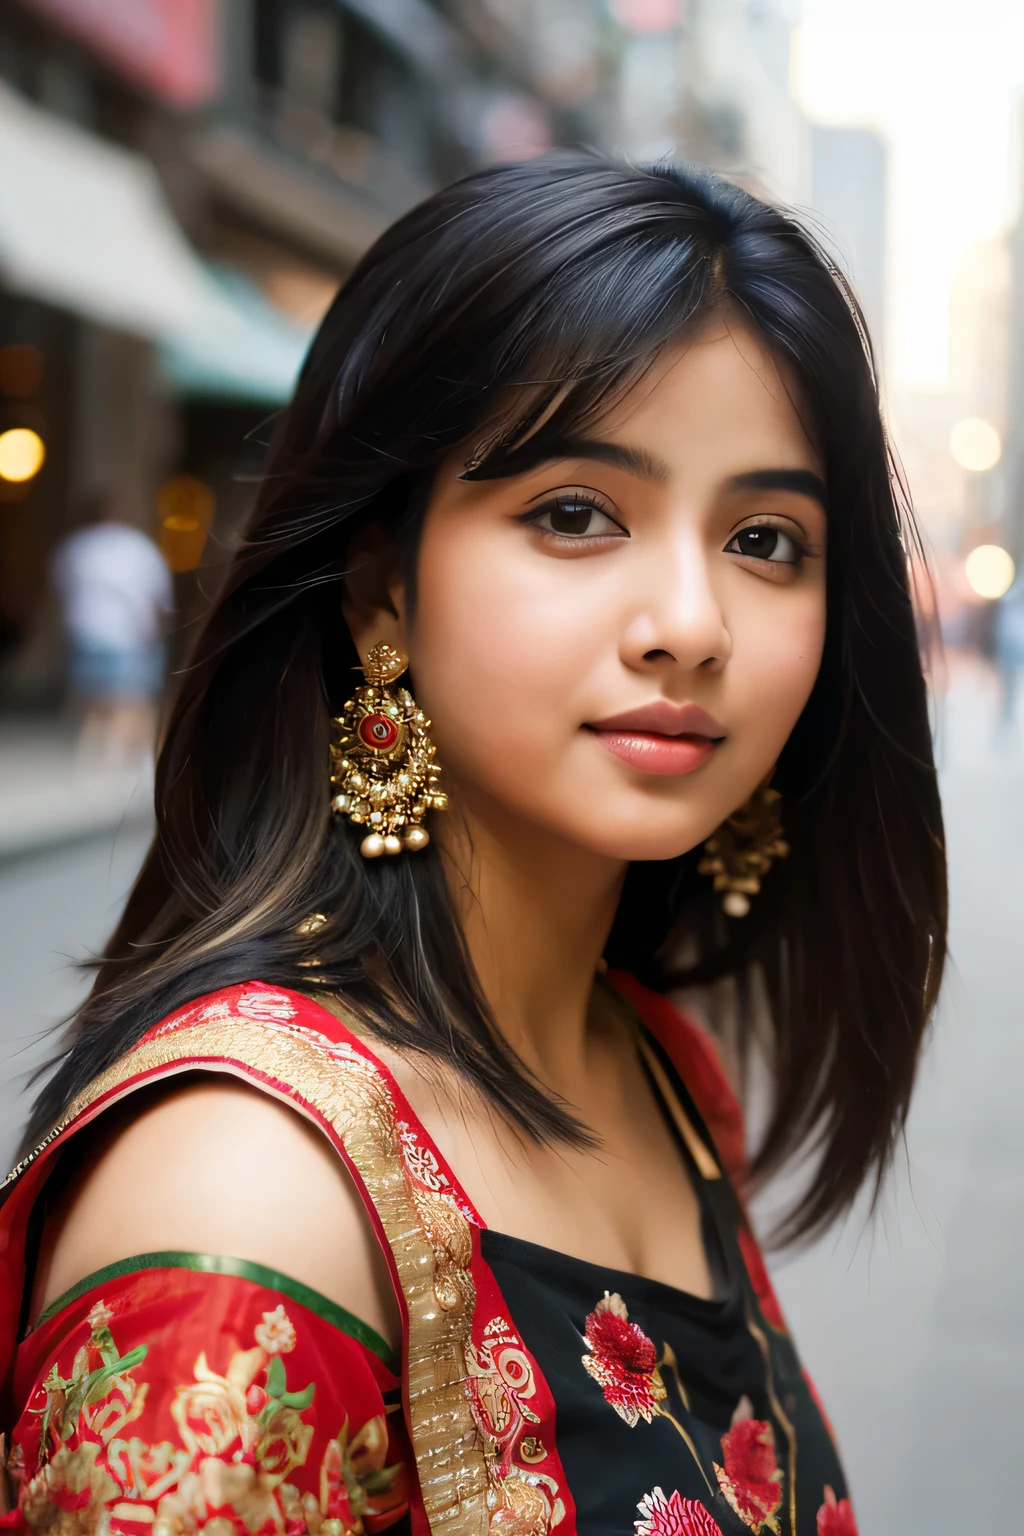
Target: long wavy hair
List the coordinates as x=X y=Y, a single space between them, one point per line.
x=534 y=294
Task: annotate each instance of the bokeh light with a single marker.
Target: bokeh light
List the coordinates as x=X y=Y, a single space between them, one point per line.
x=185 y=507
x=22 y=452
x=989 y=570
x=975 y=445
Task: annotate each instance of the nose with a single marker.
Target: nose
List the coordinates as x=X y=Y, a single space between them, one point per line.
x=677 y=618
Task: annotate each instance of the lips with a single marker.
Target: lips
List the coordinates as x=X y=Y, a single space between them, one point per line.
x=661 y=738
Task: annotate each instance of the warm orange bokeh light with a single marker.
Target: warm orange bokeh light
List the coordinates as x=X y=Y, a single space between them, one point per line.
x=185 y=507
x=22 y=453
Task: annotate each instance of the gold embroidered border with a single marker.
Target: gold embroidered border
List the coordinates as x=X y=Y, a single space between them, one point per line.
x=429 y=1237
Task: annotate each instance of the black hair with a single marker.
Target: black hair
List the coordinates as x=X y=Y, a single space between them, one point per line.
x=533 y=296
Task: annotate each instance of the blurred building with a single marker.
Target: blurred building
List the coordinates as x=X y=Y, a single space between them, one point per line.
x=739 y=114
x=983 y=479
x=849 y=194
x=112 y=323
x=1013 y=468
x=184 y=183
x=709 y=80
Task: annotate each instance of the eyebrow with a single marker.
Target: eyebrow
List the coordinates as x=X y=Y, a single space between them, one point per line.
x=639 y=462
x=635 y=461
x=802 y=482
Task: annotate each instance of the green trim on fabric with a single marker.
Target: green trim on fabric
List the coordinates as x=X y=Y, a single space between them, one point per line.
x=242 y=1269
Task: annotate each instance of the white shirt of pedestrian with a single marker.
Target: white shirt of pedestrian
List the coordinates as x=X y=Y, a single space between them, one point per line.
x=115 y=586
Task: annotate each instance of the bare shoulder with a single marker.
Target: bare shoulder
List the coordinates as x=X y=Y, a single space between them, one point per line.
x=211 y=1165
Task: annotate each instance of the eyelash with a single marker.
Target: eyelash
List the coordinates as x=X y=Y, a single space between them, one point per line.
x=580 y=500
x=801 y=551
x=573 y=500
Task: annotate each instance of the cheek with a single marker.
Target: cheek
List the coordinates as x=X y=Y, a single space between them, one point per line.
x=777 y=651
x=501 y=651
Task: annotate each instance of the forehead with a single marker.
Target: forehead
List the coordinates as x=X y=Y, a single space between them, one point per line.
x=721 y=399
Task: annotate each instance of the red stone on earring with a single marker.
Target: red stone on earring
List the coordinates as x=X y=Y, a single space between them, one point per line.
x=377 y=732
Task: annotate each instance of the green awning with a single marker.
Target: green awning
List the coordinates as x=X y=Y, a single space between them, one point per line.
x=255 y=357
x=85 y=226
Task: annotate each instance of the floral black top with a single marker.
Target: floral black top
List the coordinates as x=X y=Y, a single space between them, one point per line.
x=175 y=1394
x=677 y=1415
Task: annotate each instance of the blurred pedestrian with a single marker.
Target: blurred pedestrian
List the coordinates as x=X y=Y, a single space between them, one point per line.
x=115 y=591
x=1008 y=650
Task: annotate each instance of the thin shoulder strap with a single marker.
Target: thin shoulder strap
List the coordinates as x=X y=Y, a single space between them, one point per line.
x=695 y=1062
x=705 y=1164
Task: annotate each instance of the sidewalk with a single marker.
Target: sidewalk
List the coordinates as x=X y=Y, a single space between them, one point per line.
x=48 y=798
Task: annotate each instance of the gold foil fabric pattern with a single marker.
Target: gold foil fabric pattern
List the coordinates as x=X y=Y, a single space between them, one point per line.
x=467 y=1404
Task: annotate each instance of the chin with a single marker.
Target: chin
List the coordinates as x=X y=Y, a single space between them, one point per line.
x=641 y=844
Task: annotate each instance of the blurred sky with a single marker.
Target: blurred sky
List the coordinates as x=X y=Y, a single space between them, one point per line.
x=942 y=79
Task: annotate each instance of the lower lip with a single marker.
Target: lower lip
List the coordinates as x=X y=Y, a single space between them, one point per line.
x=658 y=754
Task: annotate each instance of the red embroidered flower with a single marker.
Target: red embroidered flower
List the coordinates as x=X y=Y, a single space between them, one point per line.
x=835 y=1517
x=751 y=1479
x=674 y=1517
x=763 y=1289
x=623 y=1361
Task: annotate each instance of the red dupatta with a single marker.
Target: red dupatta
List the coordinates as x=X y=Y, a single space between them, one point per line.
x=477 y=1411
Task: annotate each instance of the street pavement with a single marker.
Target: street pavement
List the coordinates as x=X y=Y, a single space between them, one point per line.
x=57 y=908
x=908 y=1320
x=50 y=793
x=911 y=1322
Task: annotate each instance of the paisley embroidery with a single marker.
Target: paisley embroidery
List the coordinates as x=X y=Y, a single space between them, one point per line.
x=241 y=1434
x=420 y=1162
x=500 y=1381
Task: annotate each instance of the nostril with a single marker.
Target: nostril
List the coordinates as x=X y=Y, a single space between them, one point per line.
x=658 y=656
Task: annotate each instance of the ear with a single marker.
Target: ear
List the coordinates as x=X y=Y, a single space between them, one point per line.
x=373 y=596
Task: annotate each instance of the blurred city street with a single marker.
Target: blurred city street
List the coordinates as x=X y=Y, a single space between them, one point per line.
x=908 y=1322
x=185 y=184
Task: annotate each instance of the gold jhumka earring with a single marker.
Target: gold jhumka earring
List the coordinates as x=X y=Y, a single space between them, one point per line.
x=742 y=850
x=382 y=762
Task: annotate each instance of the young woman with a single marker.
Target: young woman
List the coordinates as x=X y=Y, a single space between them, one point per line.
x=380 y=1181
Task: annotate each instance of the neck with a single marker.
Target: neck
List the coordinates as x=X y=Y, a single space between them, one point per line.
x=535 y=912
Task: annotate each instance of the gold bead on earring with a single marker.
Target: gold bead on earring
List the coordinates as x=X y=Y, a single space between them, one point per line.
x=742 y=850
x=382 y=761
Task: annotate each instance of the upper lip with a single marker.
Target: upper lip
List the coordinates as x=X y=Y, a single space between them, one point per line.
x=663 y=718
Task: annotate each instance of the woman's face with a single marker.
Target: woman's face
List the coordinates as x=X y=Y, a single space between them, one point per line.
x=614 y=646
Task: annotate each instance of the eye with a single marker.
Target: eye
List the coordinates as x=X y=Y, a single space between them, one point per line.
x=764 y=542
x=572 y=516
